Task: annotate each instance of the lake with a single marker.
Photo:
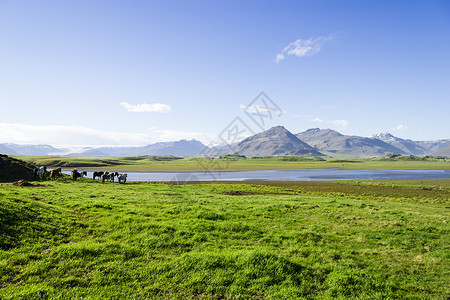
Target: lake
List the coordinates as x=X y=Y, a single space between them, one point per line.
x=286 y=175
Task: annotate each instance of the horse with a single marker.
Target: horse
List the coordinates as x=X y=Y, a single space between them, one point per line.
x=106 y=176
x=82 y=174
x=75 y=174
x=122 y=178
x=98 y=174
x=41 y=172
x=112 y=175
x=55 y=173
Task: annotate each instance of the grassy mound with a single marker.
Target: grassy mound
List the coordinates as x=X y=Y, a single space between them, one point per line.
x=12 y=169
x=31 y=221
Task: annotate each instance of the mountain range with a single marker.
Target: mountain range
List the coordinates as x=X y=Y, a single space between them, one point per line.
x=276 y=141
x=333 y=143
x=15 y=149
x=407 y=146
x=444 y=151
x=179 y=148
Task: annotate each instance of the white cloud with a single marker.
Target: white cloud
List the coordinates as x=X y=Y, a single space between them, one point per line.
x=145 y=107
x=279 y=57
x=318 y=120
x=301 y=48
x=339 y=123
x=401 y=128
x=67 y=135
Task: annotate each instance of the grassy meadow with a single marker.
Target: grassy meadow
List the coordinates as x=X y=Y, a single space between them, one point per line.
x=152 y=163
x=261 y=240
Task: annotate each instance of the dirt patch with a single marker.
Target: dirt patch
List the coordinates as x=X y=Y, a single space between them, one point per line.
x=243 y=193
x=23 y=182
x=238 y=193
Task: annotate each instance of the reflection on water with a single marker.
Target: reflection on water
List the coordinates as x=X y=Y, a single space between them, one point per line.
x=286 y=175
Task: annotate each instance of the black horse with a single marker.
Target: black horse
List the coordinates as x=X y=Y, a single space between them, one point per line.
x=75 y=174
x=98 y=174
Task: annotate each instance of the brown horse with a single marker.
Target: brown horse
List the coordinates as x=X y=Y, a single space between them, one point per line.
x=54 y=174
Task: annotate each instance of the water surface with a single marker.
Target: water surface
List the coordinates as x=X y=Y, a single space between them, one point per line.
x=286 y=175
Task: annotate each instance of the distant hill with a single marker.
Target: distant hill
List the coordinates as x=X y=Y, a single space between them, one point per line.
x=443 y=151
x=179 y=148
x=5 y=150
x=275 y=141
x=407 y=146
x=89 y=153
x=433 y=146
x=15 y=149
x=334 y=143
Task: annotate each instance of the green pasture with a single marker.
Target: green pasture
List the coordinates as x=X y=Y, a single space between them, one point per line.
x=177 y=164
x=271 y=240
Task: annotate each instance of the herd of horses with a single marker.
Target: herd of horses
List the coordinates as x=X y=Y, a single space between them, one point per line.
x=40 y=172
x=106 y=176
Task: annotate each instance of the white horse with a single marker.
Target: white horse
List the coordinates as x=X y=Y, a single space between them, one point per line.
x=41 y=172
x=122 y=178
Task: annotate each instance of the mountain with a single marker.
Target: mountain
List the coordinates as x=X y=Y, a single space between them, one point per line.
x=408 y=146
x=89 y=153
x=30 y=149
x=275 y=141
x=334 y=143
x=443 y=151
x=433 y=146
x=179 y=148
x=319 y=138
x=5 y=150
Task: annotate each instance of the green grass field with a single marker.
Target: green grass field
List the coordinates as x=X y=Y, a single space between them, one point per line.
x=271 y=240
x=172 y=164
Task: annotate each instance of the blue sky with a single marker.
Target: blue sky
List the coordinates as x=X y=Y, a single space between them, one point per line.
x=138 y=72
